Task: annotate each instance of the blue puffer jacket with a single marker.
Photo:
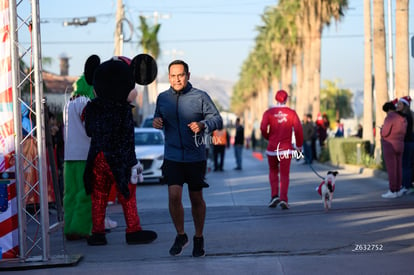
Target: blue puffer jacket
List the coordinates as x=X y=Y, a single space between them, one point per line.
x=177 y=110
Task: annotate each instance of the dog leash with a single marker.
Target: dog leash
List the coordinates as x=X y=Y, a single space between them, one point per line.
x=314 y=171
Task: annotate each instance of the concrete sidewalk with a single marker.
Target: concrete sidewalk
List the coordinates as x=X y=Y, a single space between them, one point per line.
x=361 y=234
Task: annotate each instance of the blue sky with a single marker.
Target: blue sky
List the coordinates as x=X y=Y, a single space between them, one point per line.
x=214 y=36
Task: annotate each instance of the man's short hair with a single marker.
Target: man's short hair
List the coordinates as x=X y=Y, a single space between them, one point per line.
x=179 y=62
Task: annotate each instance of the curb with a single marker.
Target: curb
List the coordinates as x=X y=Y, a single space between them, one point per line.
x=369 y=172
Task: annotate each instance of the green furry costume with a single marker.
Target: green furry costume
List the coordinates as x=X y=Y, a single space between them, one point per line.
x=76 y=203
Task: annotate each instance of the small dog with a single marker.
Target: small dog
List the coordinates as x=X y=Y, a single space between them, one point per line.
x=327 y=188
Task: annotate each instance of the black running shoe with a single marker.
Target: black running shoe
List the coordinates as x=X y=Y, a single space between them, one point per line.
x=274 y=202
x=97 y=239
x=284 y=205
x=140 y=237
x=181 y=241
x=198 y=250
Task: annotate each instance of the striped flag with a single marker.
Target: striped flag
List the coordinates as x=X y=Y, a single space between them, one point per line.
x=9 y=239
x=2 y=164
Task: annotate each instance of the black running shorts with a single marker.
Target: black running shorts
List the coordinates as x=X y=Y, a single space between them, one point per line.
x=178 y=173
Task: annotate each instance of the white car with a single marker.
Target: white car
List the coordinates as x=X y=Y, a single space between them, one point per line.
x=147 y=122
x=149 y=149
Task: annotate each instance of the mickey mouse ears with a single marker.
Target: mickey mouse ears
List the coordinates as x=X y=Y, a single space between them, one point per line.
x=144 y=68
x=91 y=65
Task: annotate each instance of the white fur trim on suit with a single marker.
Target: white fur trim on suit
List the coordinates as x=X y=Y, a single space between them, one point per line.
x=403 y=100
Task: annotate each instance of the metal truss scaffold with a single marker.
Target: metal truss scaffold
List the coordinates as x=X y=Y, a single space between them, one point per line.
x=36 y=224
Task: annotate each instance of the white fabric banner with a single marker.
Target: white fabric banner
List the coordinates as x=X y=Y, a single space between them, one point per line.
x=8 y=213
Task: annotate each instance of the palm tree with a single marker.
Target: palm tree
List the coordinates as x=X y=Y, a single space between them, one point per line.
x=149 y=38
x=336 y=102
x=318 y=13
x=402 y=68
x=380 y=71
x=368 y=110
x=282 y=37
x=245 y=88
x=310 y=16
x=278 y=38
x=258 y=76
x=150 y=45
x=291 y=37
x=264 y=67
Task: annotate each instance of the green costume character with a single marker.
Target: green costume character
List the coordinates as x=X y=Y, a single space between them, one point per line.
x=76 y=203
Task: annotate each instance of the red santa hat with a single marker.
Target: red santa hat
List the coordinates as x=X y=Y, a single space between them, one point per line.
x=394 y=101
x=319 y=119
x=406 y=100
x=281 y=96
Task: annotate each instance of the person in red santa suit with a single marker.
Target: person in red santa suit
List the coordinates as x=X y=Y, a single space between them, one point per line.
x=111 y=156
x=276 y=127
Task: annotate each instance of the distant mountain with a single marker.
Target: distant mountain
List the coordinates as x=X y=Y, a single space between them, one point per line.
x=219 y=90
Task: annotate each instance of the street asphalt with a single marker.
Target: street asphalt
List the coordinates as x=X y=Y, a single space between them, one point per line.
x=361 y=234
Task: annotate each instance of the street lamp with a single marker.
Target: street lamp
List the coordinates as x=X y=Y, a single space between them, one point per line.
x=80 y=22
x=174 y=53
x=156 y=15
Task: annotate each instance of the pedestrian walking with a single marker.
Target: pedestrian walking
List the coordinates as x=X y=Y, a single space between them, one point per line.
x=403 y=107
x=276 y=127
x=238 y=144
x=185 y=113
x=220 y=142
x=340 y=131
x=309 y=131
x=322 y=126
x=254 y=140
x=392 y=138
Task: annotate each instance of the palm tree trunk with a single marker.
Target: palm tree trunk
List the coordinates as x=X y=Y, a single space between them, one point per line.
x=368 y=110
x=316 y=70
x=402 y=68
x=380 y=71
x=299 y=105
x=307 y=77
x=264 y=100
x=275 y=84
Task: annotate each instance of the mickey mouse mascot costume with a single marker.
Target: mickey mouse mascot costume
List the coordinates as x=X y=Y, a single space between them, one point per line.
x=111 y=157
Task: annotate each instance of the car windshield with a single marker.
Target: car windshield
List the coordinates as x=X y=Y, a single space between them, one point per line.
x=148 y=138
x=147 y=123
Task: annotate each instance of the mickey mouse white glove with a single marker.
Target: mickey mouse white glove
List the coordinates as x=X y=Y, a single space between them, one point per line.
x=136 y=173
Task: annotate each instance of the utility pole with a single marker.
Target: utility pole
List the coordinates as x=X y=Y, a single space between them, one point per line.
x=390 y=54
x=119 y=37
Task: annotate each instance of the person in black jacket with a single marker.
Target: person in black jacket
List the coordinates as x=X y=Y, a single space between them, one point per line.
x=238 y=144
x=186 y=114
x=403 y=107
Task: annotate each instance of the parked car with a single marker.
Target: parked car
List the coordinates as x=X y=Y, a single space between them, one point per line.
x=149 y=149
x=147 y=122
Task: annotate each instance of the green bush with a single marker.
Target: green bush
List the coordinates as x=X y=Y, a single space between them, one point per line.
x=345 y=150
x=324 y=155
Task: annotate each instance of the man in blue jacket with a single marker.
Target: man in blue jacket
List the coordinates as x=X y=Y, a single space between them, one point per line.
x=185 y=114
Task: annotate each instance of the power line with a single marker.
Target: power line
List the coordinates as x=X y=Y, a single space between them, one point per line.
x=213 y=40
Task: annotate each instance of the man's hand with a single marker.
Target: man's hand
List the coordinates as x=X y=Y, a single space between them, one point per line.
x=196 y=127
x=157 y=123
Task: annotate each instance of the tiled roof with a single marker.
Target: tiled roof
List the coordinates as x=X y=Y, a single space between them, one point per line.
x=57 y=84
